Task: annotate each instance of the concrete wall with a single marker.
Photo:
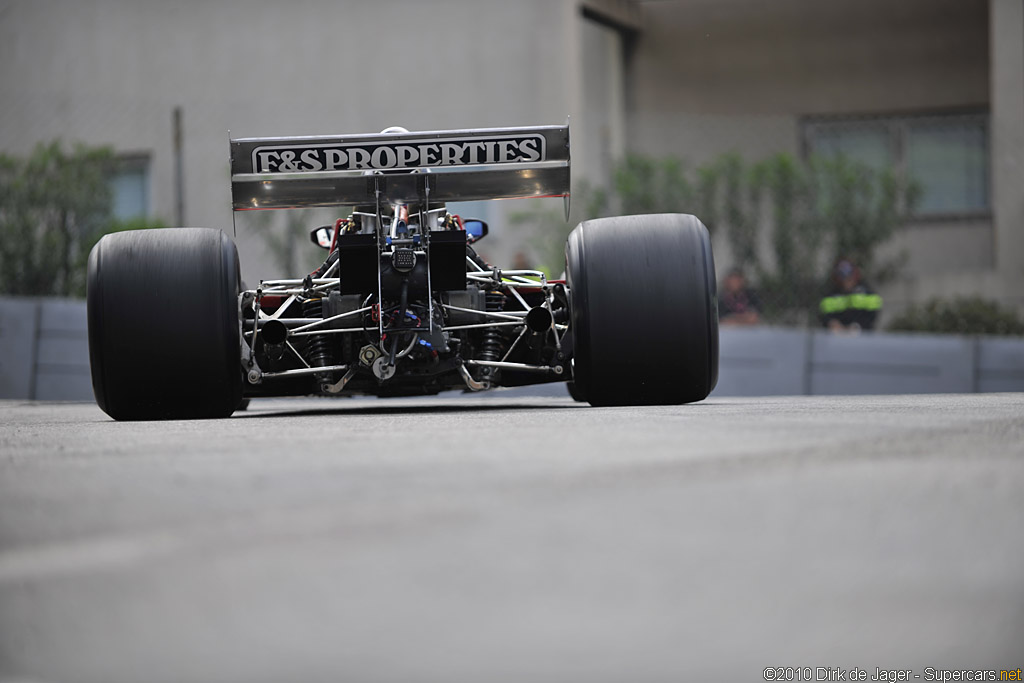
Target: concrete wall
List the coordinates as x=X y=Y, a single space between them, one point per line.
x=702 y=77
x=710 y=76
x=762 y=361
x=956 y=259
x=45 y=350
x=46 y=357
x=112 y=72
x=1007 y=28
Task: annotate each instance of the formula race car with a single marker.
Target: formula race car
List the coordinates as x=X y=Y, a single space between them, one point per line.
x=402 y=304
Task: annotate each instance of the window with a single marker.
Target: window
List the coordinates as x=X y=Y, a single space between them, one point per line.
x=130 y=188
x=950 y=161
x=946 y=155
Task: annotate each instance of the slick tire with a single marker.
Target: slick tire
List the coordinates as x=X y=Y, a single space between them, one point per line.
x=575 y=392
x=644 y=310
x=163 y=324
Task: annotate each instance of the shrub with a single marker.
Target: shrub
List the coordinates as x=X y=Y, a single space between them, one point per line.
x=54 y=205
x=964 y=315
x=785 y=219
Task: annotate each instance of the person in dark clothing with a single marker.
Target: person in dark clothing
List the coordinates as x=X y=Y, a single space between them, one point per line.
x=851 y=305
x=737 y=303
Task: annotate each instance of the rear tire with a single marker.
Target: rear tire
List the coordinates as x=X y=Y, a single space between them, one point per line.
x=575 y=392
x=644 y=310
x=163 y=324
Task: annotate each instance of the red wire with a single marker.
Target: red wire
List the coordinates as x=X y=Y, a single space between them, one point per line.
x=334 y=240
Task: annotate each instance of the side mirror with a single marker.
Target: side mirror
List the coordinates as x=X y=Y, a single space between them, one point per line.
x=476 y=229
x=322 y=236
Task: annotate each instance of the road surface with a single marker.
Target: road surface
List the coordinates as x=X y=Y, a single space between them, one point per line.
x=513 y=539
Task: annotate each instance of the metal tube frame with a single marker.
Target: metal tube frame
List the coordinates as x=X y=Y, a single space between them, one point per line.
x=510 y=281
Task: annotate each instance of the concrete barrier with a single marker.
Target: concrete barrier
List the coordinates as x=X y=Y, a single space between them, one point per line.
x=44 y=350
x=891 y=364
x=62 y=359
x=19 y=322
x=765 y=361
x=44 y=355
x=1000 y=365
x=762 y=361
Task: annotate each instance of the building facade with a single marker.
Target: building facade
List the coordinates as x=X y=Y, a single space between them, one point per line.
x=933 y=86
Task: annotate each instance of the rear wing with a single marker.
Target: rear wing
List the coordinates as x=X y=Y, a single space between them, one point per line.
x=435 y=166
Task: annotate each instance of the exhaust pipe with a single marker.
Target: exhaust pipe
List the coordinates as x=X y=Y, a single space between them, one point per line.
x=539 y=319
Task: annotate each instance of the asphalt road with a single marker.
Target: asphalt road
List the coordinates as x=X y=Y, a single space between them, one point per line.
x=513 y=539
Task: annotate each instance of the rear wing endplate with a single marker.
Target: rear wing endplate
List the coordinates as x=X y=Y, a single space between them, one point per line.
x=435 y=166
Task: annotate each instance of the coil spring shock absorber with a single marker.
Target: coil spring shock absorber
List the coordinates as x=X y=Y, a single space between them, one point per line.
x=492 y=347
x=318 y=348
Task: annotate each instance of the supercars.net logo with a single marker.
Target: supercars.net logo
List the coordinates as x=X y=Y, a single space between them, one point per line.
x=394 y=155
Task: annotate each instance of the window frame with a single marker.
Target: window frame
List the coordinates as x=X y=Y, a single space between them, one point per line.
x=898 y=126
x=129 y=162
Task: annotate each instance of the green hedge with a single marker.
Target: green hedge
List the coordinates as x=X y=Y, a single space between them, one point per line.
x=963 y=315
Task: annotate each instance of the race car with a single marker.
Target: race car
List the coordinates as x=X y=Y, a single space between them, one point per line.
x=402 y=304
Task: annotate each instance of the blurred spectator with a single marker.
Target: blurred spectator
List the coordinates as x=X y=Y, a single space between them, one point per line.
x=737 y=303
x=851 y=305
x=521 y=262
